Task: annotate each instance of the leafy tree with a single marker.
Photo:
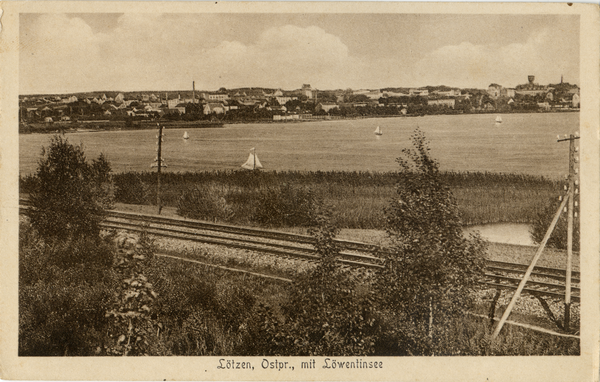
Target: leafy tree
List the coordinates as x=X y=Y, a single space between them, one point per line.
x=70 y=195
x=358 y=98
x=330 y=310
x=431 y=267
x=558 y=238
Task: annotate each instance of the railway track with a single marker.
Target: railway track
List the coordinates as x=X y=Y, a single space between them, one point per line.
x=547 y=282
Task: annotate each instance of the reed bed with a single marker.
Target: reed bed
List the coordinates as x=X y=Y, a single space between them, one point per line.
x=358 y=199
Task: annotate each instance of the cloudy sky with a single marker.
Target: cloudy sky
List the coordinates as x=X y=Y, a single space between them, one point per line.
x=62 y=53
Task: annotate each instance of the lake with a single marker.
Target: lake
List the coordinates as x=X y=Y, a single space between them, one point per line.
x=508 y=233
x=523 y=143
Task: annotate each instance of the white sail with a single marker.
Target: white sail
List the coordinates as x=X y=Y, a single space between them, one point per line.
x=186 y=135
x=498 y=119
x=252 y=163
x=378 y=131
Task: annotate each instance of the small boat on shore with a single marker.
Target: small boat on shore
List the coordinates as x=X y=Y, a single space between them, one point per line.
x=378 y=131
x=498 y=119
x=252 y=163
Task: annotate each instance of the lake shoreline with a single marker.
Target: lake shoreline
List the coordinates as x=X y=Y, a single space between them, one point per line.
x=168 y=125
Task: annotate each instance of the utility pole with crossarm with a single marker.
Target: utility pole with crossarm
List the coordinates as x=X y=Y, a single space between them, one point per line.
x=568 y=205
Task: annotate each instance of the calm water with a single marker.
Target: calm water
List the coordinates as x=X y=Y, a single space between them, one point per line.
x=523 y=143
x=510 y=233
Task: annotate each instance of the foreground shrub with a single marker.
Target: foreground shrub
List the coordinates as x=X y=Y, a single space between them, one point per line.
x=130 y=189
x=431 y=268
x=558 y=239
x=62 y=302
x=70 y=195
x=202 y=313
x=132 y=327
x=330 y=311
x=204 y=204
x=285 y=206
x=273 y=206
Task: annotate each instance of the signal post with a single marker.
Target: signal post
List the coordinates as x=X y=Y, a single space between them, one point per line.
x=568 y=204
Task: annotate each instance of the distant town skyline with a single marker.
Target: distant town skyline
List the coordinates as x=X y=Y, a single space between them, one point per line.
x=69 y=53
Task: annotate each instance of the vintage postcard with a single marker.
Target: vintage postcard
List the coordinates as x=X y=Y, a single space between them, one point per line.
x=299 y=191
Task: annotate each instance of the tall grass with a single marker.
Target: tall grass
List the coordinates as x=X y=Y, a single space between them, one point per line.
x=358 y=199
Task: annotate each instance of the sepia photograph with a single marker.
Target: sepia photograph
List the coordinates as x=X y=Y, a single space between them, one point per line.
x=299 y=191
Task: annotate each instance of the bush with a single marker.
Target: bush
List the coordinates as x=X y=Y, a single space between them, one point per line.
x=132 y=328
x=70 y=194
x=285 y=206
x=130 y=189
x=204 y=204
x=558 y=238
x=202 y=313
x=330 y=311
x=62 y=303
x=431 y=267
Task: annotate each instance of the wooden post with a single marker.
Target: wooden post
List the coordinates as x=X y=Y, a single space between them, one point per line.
x=159 y=165
x=570 y=208
x=515 y=297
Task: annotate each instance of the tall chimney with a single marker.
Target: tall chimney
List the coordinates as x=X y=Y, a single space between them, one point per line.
x=193 y=91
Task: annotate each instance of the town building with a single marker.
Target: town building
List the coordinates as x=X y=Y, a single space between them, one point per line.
x=214 y=107
x=507 y=92
x=531 y=88
x=325 y=106
x=494 y=90
x=389 y=94
x=172 y=103
x=211 y=97
x=447 y=93
x=575 y=100
x=374 y=94
x=447 y=102
x=282 y=100
x=418 y=92
x=307 y=91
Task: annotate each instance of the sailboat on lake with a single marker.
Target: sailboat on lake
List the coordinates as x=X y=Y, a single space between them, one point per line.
x=186 y=135
x=498 y=119
x=378 y=131
x=252 y=163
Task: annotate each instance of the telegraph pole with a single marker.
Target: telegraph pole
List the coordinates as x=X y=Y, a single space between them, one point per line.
x=568 y=203
x=159 y=164
x=572 y=183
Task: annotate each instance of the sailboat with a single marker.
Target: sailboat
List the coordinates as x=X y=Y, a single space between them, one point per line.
x=252 y=163
x=186 y=135
x=498 y=119
x=378 y=131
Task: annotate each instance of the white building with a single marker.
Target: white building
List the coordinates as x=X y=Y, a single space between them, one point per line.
x=418 y=92
x=307 y=91
x=448 y=102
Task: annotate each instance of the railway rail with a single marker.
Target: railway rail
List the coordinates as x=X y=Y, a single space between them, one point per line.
x=547 y=282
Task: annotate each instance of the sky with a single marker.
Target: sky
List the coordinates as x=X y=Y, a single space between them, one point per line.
x=68 y=53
